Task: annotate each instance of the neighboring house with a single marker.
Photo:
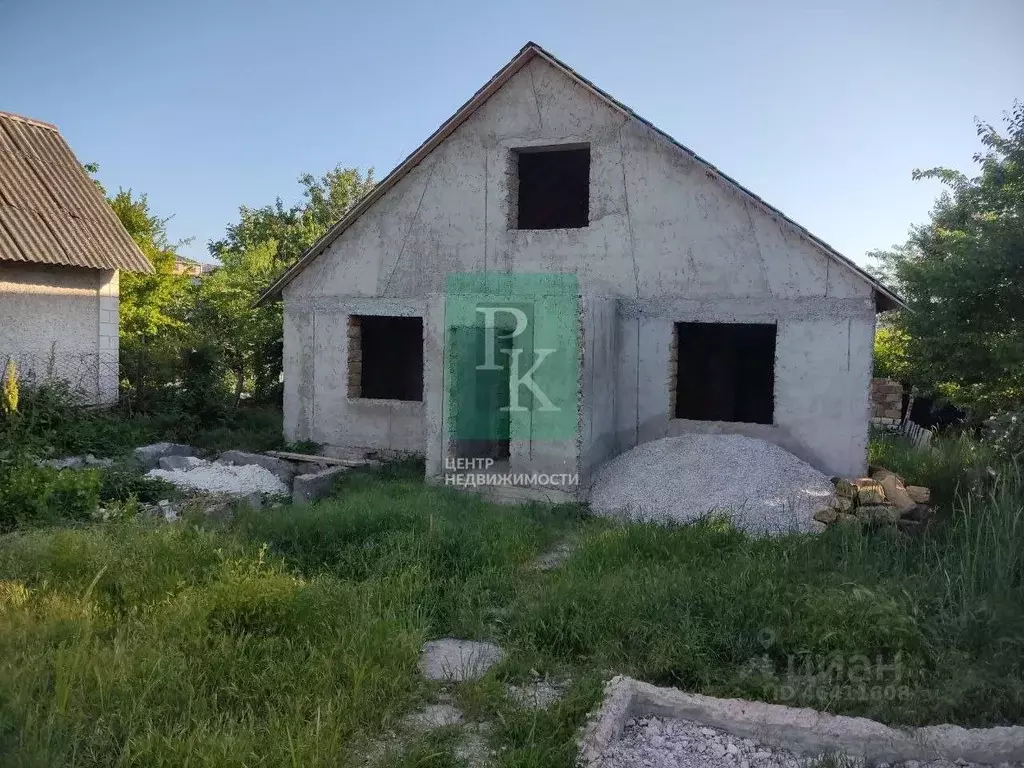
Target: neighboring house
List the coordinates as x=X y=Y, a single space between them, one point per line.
x=61 y=247
x=700 y=307
x=183 y=266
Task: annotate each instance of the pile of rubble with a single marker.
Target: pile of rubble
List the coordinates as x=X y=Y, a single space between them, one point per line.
x=883 y=498
x=305 y=477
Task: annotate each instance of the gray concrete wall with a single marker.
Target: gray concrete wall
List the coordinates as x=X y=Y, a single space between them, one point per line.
x=62 y=320
x=599 y=438
x=666 y=237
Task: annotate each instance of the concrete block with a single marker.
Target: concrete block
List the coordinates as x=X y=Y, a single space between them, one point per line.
x=804 y=731
x=173 y=462
x=315 y=486
x=149 y=455
x=282 y=469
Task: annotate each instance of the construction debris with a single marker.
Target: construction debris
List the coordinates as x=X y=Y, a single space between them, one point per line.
x=316 y=485
x=222 y=478
x=882 y=498
x=149 y=455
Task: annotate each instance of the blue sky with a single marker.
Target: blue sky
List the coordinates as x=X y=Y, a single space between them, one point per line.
x=822 y=108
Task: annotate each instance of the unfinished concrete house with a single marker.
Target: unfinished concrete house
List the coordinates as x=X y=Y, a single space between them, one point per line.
x=697 y=306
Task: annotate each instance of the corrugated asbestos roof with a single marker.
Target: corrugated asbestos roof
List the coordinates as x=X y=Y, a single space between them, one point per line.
x=50 y=210
x=885 y=298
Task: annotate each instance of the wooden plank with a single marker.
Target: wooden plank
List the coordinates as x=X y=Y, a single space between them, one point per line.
x=326 y=460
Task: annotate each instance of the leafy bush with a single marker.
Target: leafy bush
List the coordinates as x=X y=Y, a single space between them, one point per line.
x=31 y=495
x=120 y=483
x=891 y=353
x=9 y=404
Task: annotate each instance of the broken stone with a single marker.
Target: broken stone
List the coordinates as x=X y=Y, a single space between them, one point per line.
x=841 y=503
x=870 y=492
x=919 y=494
x=457 y=660
x=862 y=490
x=149 y=455
x=827 y=515
x=284 y=470
x=76 y=462
x=179 y=462
x=878 y=513
x=893 y=488
x=316 y=486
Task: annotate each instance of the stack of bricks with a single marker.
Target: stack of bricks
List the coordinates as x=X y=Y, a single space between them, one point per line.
x=355 y=357
x=886 y=402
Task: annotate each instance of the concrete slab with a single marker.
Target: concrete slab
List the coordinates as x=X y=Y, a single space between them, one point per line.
x=457 y=660
x=149 y=455
x=804 y=731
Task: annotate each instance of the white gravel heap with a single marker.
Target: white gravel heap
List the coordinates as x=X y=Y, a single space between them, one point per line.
x=653 y=742
x=223 y=478
x=761 y=487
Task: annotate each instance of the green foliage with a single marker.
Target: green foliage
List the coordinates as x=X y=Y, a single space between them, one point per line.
x=254 y=251
x=9 y=401
x=121 y=483
x=962 y=275
x=891 y=353
x=172 y=324
x=1004 y=432
x=31 y=495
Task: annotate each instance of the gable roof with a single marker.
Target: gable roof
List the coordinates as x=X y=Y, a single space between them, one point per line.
x=51 y=212
x=885 y=299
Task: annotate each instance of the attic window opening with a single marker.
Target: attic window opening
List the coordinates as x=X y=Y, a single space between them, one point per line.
x=725 y=372
x=553 y=186
x=385 y=357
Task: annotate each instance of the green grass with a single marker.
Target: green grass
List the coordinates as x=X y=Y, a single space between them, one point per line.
x=291 y=635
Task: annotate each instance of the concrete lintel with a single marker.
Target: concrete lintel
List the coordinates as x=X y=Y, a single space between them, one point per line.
x=359 y=305
x=804 y=731
x=722 y=310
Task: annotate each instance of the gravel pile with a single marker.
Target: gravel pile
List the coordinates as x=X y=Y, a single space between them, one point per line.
x=761 y=487
x=653 y=742
x=222 y=478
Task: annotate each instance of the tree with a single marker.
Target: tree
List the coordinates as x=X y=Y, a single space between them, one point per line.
x=325 y=201
x=246 y=336
x=151 y=305
x=154 y=308
x=256 y=249
x=962 y=275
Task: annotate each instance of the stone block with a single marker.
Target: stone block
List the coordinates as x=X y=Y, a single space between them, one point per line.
x=186 y=463
x=149 y=455
x=316 y=486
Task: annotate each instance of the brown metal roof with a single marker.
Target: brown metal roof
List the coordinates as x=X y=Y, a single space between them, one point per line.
x=51 y=212
x=884 y=297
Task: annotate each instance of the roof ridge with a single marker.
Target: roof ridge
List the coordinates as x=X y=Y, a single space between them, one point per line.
x=30 y=120
x=497 y=81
